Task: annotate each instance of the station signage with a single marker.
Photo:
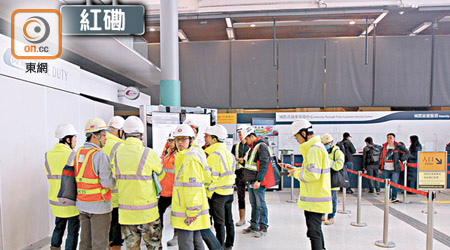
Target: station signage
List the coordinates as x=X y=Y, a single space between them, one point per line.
x=432 y=170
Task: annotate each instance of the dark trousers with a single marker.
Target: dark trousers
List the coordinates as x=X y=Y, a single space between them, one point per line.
x=163 y=204
x=208 y=237
x=223 y=218
x=240 y=185
x=374 y=173
x=73 y=228
x=349 y=165
x=190 y=240
x=115 y=232
x=314 y=233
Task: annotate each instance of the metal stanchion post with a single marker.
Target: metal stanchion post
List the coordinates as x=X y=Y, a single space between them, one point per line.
x=405 y=182
x=430 y=216
x=292 y=200
x=358 y=222
x=344 y=199
x=384 y=242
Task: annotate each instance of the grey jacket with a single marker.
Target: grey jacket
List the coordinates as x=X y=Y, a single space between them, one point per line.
x=102 y=167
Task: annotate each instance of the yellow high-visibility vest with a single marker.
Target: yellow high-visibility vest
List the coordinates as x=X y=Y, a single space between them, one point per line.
x=134 y=166
x=112 y=144
x=189 y=193
x=55 y=160
x=314 y=177
x=222 y=165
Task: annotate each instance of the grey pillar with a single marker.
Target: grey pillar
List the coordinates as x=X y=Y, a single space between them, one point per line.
x=170 y=79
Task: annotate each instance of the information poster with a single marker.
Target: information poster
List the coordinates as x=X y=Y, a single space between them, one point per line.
x=432 y=170
x=162 y=125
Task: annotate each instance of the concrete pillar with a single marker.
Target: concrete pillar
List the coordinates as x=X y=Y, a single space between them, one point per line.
x=170 y=79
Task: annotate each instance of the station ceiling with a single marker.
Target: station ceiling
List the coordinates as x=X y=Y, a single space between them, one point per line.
x=303 y=24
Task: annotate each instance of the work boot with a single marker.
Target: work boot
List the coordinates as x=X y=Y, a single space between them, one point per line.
x=116 y=247
x=249 y=229
x=241 y=221
x=55 y=248
x=323 y=217
x=349 y=191
x=173 y=241
x=329 y=221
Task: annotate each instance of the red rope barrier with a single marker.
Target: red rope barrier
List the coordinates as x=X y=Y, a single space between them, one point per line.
x=373 y=178
x=412 y=190
x=352 y=171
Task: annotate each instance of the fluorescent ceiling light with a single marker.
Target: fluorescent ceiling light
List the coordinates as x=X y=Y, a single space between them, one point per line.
x=230 y=33
x=420 y=28
x=369 y=29
x=318 y=22
x=380 y=17
x=252 y=25
x=445 y=19
x=229 y=23
x=182 y=36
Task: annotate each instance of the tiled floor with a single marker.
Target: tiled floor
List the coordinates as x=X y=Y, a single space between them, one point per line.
x=287 y=230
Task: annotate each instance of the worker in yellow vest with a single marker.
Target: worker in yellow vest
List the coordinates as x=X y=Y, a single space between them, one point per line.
x=220 y=192
x=190 y=208
x=138 y=169
x=61 y=155
x=315 y=181
x=113 y=142
x=94 y=179
x=337 y=159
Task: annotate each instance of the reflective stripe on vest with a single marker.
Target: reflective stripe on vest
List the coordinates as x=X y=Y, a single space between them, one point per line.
x=138 y=207
x=49 y=172
x=61 y=204
x=167 y=170
x=89 y=188
x=315 y=199
x=227 y=171
x=184 y=215
x=138 y=176
x=114 y=148
x=184 y=184
x=221 y=187
x=251 y=164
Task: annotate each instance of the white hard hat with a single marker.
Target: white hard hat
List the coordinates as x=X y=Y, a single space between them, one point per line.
x=63 y=130
x=217 y=130
x=240 y=127
x=247 y=130
x=191 y=122
x=183 y=130
x=301 y=124
x=133 y=125
x=94 y=125
x=170 y=136
x=326 y=138
x=116 y=122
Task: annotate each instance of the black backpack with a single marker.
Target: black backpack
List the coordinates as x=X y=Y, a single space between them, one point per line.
x=341 y=146
x=373 y=155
